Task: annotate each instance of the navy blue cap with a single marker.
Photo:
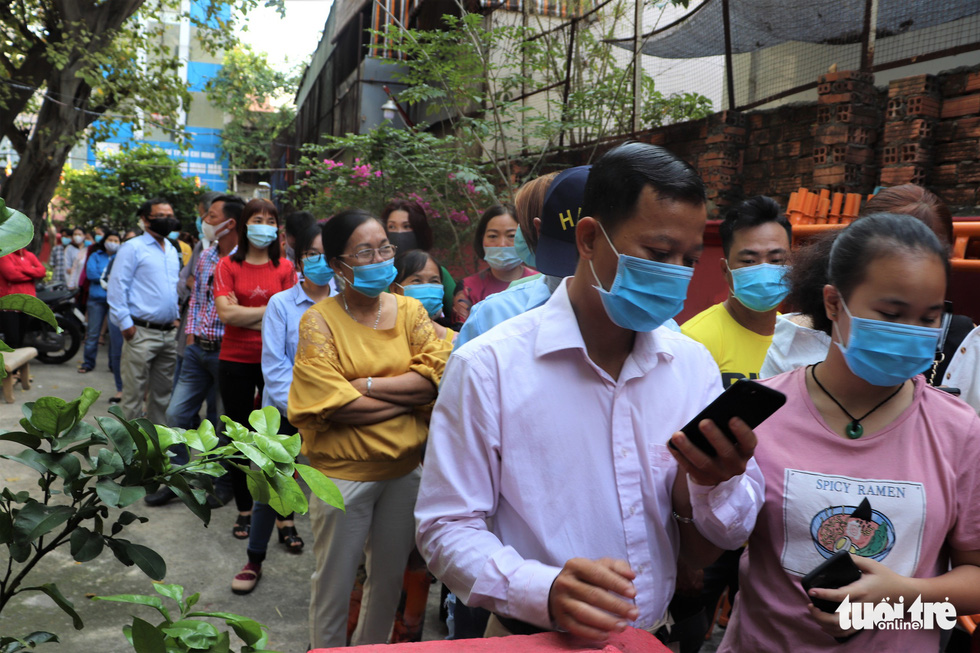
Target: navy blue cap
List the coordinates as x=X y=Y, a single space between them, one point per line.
x=556 y=254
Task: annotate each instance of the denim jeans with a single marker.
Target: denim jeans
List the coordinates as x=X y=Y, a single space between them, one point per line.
x=97 y=311
x=198 y=382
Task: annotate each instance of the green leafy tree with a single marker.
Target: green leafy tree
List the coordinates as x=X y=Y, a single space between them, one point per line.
x=110 y=192
x=438 y=172
x=477 y=74
x=245 y=89
x=91 y=66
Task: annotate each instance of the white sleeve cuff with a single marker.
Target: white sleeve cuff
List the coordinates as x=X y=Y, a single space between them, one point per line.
x=725 y=514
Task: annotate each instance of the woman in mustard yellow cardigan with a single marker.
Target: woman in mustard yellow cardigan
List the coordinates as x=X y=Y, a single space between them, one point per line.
x=367 y=369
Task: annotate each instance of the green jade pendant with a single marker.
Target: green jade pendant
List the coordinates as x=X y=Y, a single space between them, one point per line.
x=854 y=430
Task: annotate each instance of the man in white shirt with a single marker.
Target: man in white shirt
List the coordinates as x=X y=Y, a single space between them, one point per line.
x=555 y=426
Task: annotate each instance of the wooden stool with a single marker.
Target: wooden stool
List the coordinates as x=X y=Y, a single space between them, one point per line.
x=17 y=362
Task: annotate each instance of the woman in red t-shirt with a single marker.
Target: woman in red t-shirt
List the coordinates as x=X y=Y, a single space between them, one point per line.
x=244 y=281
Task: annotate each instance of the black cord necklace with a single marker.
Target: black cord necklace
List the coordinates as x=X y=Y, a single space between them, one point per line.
x=854 y=430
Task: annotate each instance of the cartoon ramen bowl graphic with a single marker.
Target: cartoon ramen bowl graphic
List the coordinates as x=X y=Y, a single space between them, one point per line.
x=856 y=529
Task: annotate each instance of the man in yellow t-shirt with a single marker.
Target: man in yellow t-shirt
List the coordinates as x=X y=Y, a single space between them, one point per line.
x=755 y=236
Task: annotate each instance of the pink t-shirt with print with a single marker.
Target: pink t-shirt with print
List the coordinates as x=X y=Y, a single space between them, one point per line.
x=921 y=478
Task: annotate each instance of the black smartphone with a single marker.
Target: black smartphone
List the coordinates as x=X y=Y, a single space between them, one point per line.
x=950 y=390
x=753 y=402
x=836 y=571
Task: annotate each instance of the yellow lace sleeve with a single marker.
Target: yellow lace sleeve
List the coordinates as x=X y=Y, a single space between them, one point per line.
x=429 y=351
x=319 y=384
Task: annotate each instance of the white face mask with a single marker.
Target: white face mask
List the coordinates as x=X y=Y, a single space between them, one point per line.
x=78 y=240
x=112 y=248
x=214 y=232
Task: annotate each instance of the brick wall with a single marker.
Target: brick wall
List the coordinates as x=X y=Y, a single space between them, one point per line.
x=923 y=129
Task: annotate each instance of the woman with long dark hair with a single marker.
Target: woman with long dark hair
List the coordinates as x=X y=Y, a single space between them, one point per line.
x=244 y=281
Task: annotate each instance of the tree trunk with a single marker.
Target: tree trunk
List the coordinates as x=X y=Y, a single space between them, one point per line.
x=59 y=126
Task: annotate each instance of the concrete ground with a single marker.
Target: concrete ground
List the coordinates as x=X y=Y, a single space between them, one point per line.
x=202 y=559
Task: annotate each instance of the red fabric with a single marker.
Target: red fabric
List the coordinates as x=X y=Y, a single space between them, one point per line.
x=481 y=285
x=18 y=272
x=631 y=640
x=253 y=285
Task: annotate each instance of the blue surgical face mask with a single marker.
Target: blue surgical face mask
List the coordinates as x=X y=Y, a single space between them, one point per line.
x=200 y=227
x=430 y=294
x=523 y=251
x=373 y=279
x=502 y=258
x=760 y=287
x=644 y=294
x=315 y=269
x=65 y=240
x=88 y=242
x=260 y=235
x=173 y=235
x=888 y=353
x=99 y=237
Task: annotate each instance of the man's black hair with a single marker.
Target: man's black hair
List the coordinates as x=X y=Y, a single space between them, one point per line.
x=146 y=207
x=620 y=175
x=750 y=213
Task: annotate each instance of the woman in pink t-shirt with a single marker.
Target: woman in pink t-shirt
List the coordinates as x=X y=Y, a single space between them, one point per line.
x=865 y=457
x=494 y=243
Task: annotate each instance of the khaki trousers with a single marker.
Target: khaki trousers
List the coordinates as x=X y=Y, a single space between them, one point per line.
x=147 y=365
x=379 y=525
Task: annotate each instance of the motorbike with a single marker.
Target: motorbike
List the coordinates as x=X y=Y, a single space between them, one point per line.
x=53 y=347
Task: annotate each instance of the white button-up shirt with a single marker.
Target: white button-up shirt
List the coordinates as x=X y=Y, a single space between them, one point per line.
x=565 y=461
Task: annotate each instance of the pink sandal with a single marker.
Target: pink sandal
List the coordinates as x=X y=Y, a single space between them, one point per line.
x=246 y=580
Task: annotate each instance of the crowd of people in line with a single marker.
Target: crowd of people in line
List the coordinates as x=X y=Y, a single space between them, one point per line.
x=518 y=429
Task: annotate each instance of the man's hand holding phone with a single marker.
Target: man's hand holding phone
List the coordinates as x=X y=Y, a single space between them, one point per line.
x=731 y=458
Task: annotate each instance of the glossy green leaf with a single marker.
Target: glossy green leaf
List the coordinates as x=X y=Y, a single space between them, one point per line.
x=81 y=433
x=194 y=499
x=12 y=644
x=235 y=431
x=33 y=459
x=121 y=440
x=46 y=412
x=258 y=485
x=138 y=599
x=17 y=497
x=21 y=438
x=266 y=421
x=293 y=444
x=259 y=458
x=20 y=552
x=146 y=637
x=36 y=519
x=195 y=634
x=6 y=527
x=209 y=439
x=88 y=397
x=85 y=545
x=118 y=548
x=148 y=560
x=16 y=230
x=64 y=465
x=321 y=486
x=273 y=449
x=169 y=437
x=4 y=347
x=67 y=606
x=288 y=497
x=171 y=591
x=109 y=463
x=118 y=496
x=29 y=305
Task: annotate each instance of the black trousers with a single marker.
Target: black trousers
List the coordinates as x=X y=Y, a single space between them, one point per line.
x=239 y=383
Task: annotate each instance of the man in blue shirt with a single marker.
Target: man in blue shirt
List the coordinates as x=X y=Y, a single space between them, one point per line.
x=555 y=256
x=142 y=298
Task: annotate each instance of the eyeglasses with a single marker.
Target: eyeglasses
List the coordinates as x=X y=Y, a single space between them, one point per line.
x=367 y=254
x=160 y=216
x=313 y=258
